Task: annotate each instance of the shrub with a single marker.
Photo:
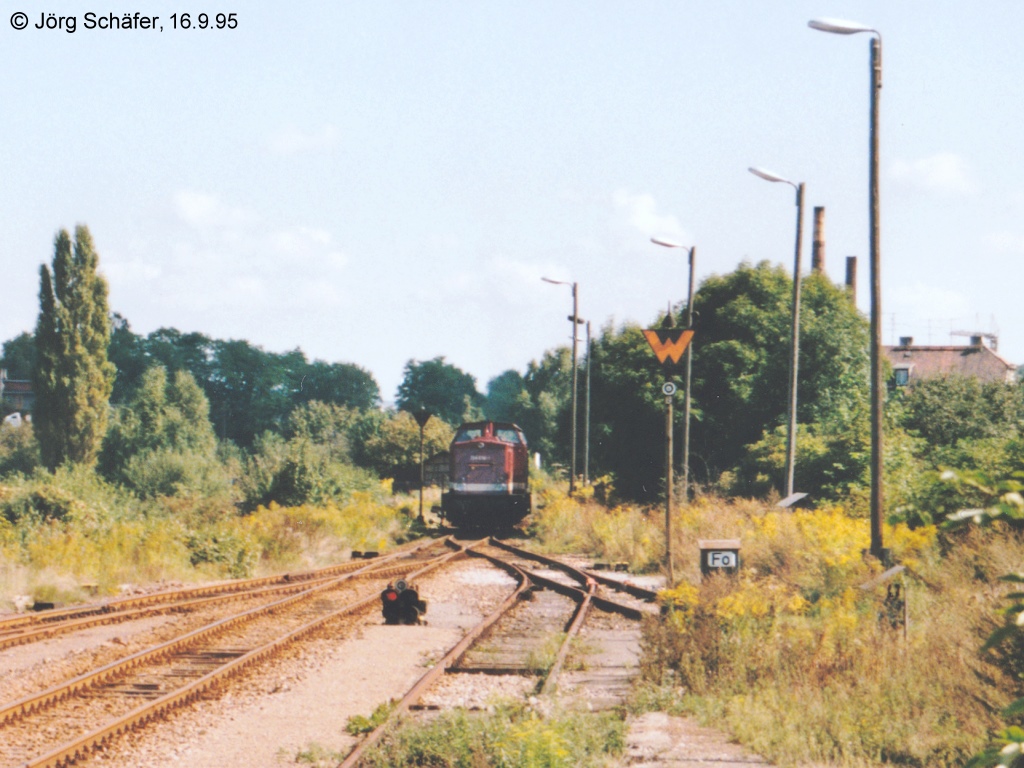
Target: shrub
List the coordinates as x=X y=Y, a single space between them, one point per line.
x=19 y=451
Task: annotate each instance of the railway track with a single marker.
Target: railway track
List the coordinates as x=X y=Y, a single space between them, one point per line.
x=90 y=710
x=553 y=602
x=554 y=616
x=24 y=628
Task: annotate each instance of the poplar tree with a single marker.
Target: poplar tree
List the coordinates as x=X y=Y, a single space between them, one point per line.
x=73 y=377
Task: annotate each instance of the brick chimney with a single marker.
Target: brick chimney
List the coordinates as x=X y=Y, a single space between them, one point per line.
x=818 y=242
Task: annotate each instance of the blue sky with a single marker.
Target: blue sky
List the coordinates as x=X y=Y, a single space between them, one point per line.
x=378 y=182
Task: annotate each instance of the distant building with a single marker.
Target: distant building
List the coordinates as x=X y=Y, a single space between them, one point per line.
x=15 y=394
x=975 y=360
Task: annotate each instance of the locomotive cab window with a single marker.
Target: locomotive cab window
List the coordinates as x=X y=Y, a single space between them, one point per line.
x=468 y=434
x=507 y=436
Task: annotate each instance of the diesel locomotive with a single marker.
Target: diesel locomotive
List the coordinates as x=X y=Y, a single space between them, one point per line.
x=488 y=484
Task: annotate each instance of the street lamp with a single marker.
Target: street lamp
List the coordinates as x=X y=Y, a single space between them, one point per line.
x=840 y=27
x=574 y=318
x=689 y=363
x=794 y=332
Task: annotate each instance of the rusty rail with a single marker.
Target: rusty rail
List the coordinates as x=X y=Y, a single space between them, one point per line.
x=71 y=751
x=26 y=628
x=450 y=659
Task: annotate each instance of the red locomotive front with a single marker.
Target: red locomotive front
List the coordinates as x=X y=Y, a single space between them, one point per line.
x=489 y=476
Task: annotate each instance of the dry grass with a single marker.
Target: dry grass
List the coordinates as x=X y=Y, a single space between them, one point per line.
x=791 y=655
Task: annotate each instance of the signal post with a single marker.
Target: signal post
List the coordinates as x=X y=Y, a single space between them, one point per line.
x=668 y=344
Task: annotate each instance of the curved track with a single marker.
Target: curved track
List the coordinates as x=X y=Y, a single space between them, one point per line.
x=535 y=634
x=508 y=640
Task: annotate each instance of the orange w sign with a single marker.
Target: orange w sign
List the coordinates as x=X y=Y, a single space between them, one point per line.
x=669 y=343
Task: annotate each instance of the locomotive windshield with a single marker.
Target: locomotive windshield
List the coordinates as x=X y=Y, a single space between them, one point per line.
x=507 y=436
x=464 y=434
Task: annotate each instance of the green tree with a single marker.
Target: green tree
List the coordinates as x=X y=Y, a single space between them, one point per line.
x=441 y=388
x=342 y=384
x=73 y=378
x=19 y=358
x=161 y=442
x=949 y=409
x=19 y=451
x=741 y=360
x=394 y=451
x=628 y=413
x=127 y=351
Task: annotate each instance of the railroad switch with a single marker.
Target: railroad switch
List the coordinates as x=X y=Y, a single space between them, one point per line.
x=401 y=604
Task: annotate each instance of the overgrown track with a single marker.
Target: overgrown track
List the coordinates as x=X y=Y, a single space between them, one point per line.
x=513 y=639
x=94 y=708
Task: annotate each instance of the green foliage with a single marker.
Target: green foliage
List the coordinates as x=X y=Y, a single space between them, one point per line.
x=298 y=471
x=249 y=390
x=326 y=424
x=394 y=450
x=19 y=356
x=73 y=378
x=1003 y=505
x=628 y=413
x=19 y=451
x=741 y=360
x=161 y=443
x=357 y=724
x=513 y=736
x=791 y=657
x=949 y=410
x=223 y=546
x=440 y=388
x=62 y=529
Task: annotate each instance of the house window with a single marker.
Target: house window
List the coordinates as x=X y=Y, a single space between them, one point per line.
x=901 y=377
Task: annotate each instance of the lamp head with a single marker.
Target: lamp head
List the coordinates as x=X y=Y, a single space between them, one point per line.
x=769 y=176
x=666 y=242
x=839 y=26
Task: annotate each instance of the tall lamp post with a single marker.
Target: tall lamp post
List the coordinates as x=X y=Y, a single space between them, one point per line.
x=794 y=331
x=575 y=320
x=840 y=27
x=689 y=362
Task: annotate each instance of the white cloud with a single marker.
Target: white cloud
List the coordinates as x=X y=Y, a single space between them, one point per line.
x=221 y=260
x=944 y=173
x=640 y=211
x=293 y=140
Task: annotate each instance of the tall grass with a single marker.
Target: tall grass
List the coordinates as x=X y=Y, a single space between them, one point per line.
x=803 y=665
x=791 y=655
x=61 y=532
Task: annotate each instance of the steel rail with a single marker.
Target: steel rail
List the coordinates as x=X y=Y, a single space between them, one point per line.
x=125 y=604
x=55 y=694
x=551 y=680
x=579 y=574
x=526 y=579
x=451 y=659
x=68 y=753
x=36 y=633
